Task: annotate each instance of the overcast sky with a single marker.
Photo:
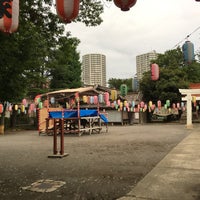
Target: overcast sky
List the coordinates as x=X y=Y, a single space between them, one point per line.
x=149 y=25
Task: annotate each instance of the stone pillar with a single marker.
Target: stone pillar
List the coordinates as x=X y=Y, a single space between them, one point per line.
x=189 y=111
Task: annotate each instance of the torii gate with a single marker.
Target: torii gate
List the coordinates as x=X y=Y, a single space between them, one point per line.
x=189 y=93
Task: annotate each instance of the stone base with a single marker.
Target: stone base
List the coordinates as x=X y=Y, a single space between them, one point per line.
x=189 y=126
x=1 y=129
x=58 y=155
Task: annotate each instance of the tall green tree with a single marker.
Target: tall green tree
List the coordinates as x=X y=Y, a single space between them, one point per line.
x=66 y=67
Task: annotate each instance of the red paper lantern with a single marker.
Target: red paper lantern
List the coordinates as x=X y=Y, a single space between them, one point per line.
x=1 y=108
x=9 y=15
x=125 y=5
x=154 y=72
x=67 y=10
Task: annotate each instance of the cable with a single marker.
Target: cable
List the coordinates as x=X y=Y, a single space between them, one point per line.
x=187 y=37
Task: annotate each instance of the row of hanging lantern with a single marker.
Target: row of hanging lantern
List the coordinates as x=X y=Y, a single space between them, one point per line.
x=20 y=108
x=101 y=98
x=104 y=98
x=67 y=11
x=142 y=106
x=112 y=101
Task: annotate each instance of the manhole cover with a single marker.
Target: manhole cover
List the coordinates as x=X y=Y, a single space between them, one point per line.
x=44 y=186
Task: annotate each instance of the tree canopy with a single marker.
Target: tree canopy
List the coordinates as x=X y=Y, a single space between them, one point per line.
x=117 y=82
x=174 y=75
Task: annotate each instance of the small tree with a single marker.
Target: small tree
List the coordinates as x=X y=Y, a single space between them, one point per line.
x=116 y=83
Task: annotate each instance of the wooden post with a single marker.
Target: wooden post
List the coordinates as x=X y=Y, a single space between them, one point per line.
x=62 y=136
x=189 y=111
x=55 y=150
x=79 y=118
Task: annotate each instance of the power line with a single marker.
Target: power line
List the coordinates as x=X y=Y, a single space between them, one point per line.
x=187 y=37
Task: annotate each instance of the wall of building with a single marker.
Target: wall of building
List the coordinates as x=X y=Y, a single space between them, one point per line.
x=94 y=69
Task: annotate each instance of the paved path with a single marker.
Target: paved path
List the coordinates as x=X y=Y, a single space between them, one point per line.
x=176 y=177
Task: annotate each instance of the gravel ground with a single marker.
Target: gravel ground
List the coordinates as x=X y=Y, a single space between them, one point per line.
x=99 y=166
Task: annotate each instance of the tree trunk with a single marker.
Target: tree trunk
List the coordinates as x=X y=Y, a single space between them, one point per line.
x=13 y=119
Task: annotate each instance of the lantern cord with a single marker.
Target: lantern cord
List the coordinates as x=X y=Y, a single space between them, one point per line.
x=187 y=37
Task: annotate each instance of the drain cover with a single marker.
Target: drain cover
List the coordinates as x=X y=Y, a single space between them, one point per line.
x=45 y=185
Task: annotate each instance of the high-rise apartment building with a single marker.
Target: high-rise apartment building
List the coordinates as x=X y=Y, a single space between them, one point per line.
x=143 y=62
x=94 y=69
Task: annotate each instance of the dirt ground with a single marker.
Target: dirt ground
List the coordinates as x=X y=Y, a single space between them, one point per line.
x=99 y=166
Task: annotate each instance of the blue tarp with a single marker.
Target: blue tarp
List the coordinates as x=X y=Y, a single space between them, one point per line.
x=103 y=117
x=73 y=113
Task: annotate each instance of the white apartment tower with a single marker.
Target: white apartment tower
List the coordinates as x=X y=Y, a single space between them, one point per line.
x=94 y=69
x=143 y=63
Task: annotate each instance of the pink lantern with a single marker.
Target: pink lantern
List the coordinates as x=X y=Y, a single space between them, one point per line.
x=106 y=97
x=10 y=108
x=125 y=5
x=32 y=107
x=153 y=106
x=9 y=16
x=108 y=103
x=154 y=72
x=24 y=102
x=67 y=10
x=118 y=102
x=159 y=104
x=142 y=104
x=95 y=99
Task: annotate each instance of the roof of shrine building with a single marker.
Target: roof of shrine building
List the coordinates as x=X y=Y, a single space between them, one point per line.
x=194 y=86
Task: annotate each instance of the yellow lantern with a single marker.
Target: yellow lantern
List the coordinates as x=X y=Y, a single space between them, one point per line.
x=193 y=99
x=23 y=108
x=113 y=95
x=16 y=107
